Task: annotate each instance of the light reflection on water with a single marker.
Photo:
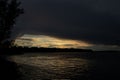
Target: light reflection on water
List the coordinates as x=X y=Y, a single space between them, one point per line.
x=51 y=66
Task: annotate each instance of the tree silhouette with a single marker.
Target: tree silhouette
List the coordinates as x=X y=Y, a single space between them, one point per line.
x=9 y=11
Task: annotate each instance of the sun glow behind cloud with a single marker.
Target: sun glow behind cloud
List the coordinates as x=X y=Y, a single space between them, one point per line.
x=49 y=42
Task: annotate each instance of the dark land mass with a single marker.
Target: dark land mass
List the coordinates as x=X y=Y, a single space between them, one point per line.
x=8 y=69
x=20 y=50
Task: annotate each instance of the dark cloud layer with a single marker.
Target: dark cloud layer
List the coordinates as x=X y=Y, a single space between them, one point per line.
x=95 y=21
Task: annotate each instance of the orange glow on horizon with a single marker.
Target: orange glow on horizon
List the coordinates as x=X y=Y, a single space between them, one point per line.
x=48 y=42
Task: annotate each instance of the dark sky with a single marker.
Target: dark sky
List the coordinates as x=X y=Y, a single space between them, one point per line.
x=94 y=21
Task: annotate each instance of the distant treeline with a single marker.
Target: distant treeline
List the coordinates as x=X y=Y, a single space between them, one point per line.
x=19 y=50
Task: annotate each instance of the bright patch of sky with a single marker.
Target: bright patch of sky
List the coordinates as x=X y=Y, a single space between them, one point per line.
x=54 y=42
x=48 y=42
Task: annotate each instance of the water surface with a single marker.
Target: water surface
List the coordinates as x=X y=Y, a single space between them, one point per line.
x=67 y=65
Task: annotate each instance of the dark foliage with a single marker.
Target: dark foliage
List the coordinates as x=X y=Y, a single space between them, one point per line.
x=9 y=11
x=8 y=70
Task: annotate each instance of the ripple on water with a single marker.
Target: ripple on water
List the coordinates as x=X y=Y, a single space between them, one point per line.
x=51 y=67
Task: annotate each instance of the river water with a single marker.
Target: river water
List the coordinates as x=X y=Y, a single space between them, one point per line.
x=67 y=66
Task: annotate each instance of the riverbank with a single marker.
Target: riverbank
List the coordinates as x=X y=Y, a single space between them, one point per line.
x=8 y=69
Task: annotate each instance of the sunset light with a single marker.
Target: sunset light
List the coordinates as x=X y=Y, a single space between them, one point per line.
x=48 y=42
